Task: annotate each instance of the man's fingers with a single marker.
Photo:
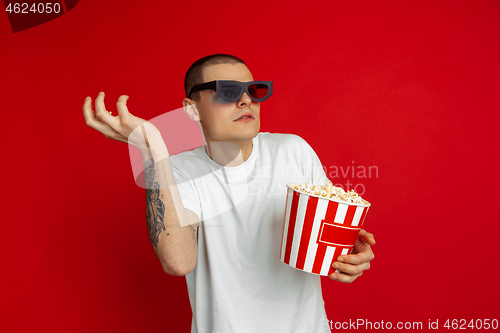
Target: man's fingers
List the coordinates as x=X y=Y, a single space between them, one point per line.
x=123 y=113
x=355 y=259
x=351 y=269
x=366 y=237
x=90 y=118
x=369 y=238
x=117 y=127
x=121 y=106
x=88 y=113
x=98 y=125
x=100 y=111
x=103 y=115
x=344 y=277
x=99 y=104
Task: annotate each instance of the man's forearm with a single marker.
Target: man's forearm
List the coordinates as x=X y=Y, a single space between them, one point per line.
x=171 y=235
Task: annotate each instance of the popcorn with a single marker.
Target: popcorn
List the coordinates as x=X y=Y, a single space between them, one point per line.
x=331 y=192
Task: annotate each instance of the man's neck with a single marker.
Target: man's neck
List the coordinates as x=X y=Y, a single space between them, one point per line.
x=230 y=154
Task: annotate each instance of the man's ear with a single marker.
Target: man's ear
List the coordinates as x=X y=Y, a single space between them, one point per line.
x=190 y=109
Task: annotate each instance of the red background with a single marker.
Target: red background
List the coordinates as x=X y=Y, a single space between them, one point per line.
x=408 y=86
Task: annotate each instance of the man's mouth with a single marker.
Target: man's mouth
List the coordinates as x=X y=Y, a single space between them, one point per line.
x=245 y=116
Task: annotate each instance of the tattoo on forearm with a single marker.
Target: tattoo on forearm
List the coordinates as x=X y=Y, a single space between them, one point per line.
x=149 y=163
x=155 y=208
x=194 y=235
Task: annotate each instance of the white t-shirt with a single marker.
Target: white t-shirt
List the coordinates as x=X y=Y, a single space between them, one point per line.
x=239 y=284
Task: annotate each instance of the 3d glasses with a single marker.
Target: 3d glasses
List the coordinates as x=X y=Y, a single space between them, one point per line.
x=231 y=91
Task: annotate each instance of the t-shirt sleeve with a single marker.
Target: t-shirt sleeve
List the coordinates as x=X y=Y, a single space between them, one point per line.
x=187 y=191
x=312 y=167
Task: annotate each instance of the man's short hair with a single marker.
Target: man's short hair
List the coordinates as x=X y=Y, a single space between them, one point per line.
x=194 y=74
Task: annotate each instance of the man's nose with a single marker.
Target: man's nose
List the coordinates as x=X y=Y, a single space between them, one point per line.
x=245 y=100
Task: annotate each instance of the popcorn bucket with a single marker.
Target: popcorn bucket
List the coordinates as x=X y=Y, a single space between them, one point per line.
x=316 y=230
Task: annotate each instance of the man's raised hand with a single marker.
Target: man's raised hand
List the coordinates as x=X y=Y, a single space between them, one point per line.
x=117 y=127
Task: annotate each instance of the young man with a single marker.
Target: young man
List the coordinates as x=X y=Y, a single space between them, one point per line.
x=215 y=214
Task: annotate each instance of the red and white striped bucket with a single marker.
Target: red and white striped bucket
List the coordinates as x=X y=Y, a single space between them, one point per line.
x=317 y=230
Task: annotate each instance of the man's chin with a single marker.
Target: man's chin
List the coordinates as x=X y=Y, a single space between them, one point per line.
x=247 y=135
